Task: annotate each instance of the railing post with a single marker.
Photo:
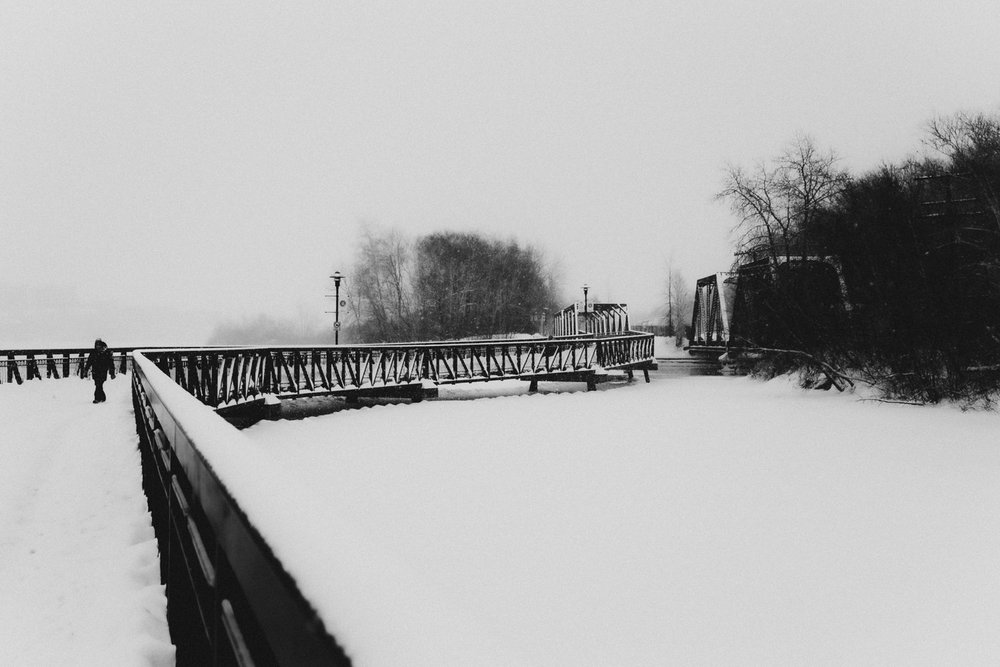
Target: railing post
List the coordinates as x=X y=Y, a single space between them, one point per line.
x=12 y=372
x=50 y=366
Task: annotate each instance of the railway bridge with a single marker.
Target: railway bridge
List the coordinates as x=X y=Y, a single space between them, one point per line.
x=230 y=601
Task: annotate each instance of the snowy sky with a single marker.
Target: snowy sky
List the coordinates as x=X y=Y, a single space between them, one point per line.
x=166 y=166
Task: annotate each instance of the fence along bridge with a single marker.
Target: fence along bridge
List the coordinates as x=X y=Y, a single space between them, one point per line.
x=230 y=601
x=226 y=377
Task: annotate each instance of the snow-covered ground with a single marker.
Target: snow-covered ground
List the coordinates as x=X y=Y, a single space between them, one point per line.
x=705 y=520
x=702 y=520
x=666 y=348
x=79 y=571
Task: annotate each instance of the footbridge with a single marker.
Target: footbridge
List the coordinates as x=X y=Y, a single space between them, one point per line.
x=230 y=600
x=223 y=378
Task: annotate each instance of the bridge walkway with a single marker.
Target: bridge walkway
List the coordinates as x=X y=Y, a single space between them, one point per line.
x=79 y=571
x=228 y=591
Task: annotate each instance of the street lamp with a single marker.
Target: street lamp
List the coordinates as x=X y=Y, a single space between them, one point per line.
x=586 y=288
x=336 y=310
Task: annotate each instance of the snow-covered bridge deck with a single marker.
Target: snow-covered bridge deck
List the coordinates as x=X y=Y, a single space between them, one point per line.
x=79 y=573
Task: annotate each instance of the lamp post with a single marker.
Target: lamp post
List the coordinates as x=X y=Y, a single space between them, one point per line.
x=336 y=309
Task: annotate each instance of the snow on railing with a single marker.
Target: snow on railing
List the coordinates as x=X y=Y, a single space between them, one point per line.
x=230 y=600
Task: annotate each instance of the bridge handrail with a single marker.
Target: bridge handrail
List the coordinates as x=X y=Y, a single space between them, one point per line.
x=53 y=362
x=247 y=603
x=226 y=376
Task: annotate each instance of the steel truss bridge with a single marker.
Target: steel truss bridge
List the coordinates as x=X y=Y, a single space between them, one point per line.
x=230 y=601
x=718 y=325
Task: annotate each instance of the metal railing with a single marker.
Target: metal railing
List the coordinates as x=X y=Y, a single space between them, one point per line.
x=36 y=364
x=566 y=322
x=220 y=377
x=606 y=318
x=596 y=319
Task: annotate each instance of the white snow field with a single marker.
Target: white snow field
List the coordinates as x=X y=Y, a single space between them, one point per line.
x=703 y=520
x=666 y=348
x=79 y=570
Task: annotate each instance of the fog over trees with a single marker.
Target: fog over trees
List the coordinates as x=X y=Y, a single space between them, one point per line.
x=446 y=285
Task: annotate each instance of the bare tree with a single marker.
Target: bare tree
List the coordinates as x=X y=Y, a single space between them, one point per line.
x=777 y=203
x=468 y=284
x=382 y=294
x=679 y=303
x=780 y=205
x=972 y=143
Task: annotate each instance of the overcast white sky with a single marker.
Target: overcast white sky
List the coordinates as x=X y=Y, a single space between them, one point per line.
x=164 y=166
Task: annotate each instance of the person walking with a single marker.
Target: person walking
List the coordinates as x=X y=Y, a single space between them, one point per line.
x=101 y=363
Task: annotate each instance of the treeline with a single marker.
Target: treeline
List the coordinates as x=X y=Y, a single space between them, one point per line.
x=894 y=272
x=446 y=285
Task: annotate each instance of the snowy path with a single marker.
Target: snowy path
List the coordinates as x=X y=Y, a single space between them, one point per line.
x=79 y=572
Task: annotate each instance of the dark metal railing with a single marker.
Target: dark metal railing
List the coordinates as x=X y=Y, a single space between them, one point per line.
x=220 y=377
x=36 y=364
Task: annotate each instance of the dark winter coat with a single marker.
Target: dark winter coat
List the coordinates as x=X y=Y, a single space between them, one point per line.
x=101 y=362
